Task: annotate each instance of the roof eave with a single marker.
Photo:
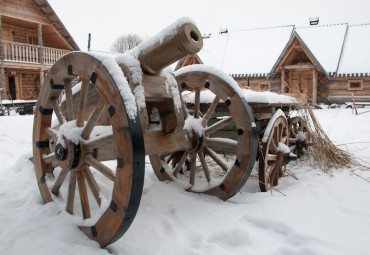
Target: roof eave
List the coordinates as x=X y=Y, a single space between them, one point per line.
x=61 y=28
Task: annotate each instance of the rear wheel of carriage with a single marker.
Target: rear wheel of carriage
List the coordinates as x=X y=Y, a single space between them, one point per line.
x=223 y=134
x=273 y=153
x=88 y=149
x=298 y=135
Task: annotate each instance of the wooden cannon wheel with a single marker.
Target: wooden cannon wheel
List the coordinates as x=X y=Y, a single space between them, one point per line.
x=218 y=164
x=298 y=135
x=273 y=155
x=91 y=139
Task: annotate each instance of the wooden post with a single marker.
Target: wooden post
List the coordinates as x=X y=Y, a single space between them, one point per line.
x=41 y=54
x=282 y=81
x=2 y=74
x=314 y=87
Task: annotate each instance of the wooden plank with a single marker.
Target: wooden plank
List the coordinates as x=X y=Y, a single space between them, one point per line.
x=22 y=9
x=298 y=67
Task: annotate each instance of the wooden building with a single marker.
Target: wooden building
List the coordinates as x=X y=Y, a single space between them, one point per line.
x=329 y=63
x=32 y=39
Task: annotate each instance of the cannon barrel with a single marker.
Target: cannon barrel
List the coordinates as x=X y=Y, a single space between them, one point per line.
x=168 y=46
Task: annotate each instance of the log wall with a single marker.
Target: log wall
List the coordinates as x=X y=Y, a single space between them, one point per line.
x=254 y=83
x=27 y=83
x=329 y=90
x=336 y=90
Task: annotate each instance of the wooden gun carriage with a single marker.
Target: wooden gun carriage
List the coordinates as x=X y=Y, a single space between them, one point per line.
x=99 y=131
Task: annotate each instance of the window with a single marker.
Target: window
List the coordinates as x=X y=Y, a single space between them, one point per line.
x=355 y=85
x=32 y=40
x=264 y=86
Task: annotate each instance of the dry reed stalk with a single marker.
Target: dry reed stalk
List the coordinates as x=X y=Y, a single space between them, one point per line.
x=324 y=152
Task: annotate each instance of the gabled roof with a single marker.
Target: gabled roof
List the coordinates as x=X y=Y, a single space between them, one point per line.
x=325 y=43
x=338 y=49
x=355 y=58
x=49 y=13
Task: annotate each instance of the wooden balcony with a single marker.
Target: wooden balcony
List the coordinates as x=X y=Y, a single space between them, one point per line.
x=30 y=54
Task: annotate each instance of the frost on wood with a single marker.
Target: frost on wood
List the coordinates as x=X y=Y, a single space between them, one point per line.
x=134 y=67
x=119 y=79
x=266 y=134
x=71 y=132
x=171 y=86
x=212 y=70
x=159 y=37
x=250 y=95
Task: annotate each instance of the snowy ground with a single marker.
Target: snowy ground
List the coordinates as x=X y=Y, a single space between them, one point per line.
x=316 y=214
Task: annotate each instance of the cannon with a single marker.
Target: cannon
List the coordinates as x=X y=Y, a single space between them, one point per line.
x=97 y=117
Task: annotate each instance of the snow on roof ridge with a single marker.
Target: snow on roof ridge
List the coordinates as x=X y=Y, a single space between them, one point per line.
x=261 y=28
x=358 y=25
x=325 y=25
x=247 y=29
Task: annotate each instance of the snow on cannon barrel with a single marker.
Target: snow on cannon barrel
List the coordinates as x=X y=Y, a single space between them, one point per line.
x=168 y=46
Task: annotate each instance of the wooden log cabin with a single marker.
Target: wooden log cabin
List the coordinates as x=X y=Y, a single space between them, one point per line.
x=32 y=39
x=327 y=63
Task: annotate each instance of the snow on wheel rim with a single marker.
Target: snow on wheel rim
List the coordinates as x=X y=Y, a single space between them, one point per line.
x=204 y=168
x=274 y=152
x=95 y=141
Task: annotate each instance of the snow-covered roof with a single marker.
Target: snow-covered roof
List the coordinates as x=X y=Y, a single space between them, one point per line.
x=356 y=51
x=339 y=49
x=325 y=43
x=250 y=52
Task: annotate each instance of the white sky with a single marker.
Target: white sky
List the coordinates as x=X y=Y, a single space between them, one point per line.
x=108 y=19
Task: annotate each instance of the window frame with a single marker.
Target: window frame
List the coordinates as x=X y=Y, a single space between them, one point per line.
x=260 y=85
x=355 y=88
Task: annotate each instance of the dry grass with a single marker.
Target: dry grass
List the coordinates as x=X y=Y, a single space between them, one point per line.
x=325 y=154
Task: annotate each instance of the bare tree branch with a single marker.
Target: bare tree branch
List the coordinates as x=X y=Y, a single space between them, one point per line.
x=126 y=42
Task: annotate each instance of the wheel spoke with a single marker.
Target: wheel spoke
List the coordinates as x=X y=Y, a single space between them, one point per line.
x=197 y=103
x=92 y=183
x=204 y=166
x=221 y=142
x=104 y=147
x=184 y=109
x=273 y=146
x=94 y=117
x=272 y=168
x=210 y=111
x=276 y=135
x=50 y=158
x=51 y=132
x=271 y=157
x=193 y=161
x=59 y=181
x=82 y=103
x=220 y=161
x=90 y=160
x=83 y=196
x=71 y=192
x=218 y=125
x=57 y=111
x=69 y=98
x=180 y=164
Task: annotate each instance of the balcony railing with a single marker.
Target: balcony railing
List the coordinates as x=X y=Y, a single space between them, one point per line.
x=28 y=53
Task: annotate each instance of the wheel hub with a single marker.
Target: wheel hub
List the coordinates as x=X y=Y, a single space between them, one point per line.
x=197 y=141
x=69 y=155
x=60 y=152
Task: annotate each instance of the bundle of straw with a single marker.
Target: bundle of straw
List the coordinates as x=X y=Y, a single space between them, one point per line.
x=323 y=151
